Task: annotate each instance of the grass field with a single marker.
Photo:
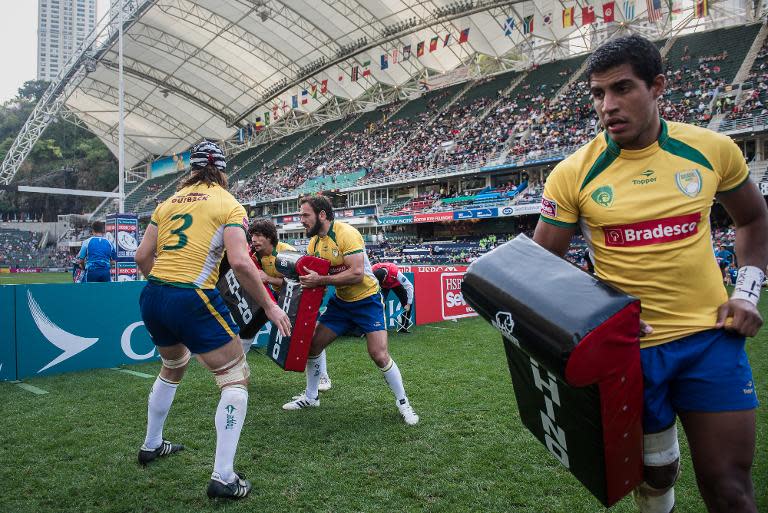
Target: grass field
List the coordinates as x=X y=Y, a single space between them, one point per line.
x=74 y=448
x=14 y=279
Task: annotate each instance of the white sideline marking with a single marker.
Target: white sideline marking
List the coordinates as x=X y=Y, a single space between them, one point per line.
x=30 y=388
x=439 y=328
x=133 y=373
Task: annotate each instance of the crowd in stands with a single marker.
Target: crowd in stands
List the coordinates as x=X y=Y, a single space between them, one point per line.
x=22 y=249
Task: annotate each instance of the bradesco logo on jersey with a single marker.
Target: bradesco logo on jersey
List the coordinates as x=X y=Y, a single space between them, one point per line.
x=656 y=231
x=452 y=300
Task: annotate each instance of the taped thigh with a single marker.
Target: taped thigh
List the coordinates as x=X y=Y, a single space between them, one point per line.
x=178 y=363
x=661 y=458
x=233 y=372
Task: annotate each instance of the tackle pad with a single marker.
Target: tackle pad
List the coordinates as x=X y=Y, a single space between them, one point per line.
x=302 y=307
x=573 y=351
x=248 y=315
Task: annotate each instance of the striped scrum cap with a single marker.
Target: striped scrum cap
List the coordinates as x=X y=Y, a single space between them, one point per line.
x=205 y=153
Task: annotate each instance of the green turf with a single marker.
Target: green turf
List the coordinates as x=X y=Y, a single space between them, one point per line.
x=26 y=278
x=74 y=449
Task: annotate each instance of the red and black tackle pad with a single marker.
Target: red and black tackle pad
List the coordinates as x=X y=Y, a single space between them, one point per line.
x=244 y=309
x=573 y=351
x=302 y=307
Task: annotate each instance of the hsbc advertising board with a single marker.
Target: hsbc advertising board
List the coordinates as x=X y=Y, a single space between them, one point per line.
x=438 y=292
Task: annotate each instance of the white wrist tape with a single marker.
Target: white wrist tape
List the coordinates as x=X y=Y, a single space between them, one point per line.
x=749 y=283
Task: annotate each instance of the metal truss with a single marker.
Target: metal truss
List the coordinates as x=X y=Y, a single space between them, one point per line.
x=70 y=77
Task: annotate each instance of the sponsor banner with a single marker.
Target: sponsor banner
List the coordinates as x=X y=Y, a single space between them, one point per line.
x=434 y=217
x=7 y=334
x=395 y=220
x=173 y=164
x=444 y=300
x=122 y=230
x=476 y=213
x=287 y=219
x=72 y=327
x=5 y=270
x=520 y=210
x=455 y=76
x=655 y=231
x=25 y=270
x=125 y=271
x=341 y=213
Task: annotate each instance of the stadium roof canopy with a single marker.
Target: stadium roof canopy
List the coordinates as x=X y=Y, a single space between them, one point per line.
x=206 y=68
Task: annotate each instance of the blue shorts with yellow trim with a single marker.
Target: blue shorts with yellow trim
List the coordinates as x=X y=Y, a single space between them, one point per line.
x=366 y=314
x=704 y=372
x=197 y=318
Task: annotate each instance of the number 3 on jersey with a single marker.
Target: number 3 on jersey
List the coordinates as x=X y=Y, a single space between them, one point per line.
x=186 y=223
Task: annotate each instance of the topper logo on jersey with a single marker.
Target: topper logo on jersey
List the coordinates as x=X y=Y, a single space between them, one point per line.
x=655 y=231
x=647 y=177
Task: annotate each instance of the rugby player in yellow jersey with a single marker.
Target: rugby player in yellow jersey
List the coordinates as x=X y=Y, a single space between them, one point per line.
x=265 y=247
x=184 y=313
x=641 y=192
x=356 y=304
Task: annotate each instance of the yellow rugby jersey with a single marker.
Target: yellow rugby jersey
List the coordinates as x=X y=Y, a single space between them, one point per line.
x=190 y=235
x=267 y=263
x=343 y=240
x=645 y=216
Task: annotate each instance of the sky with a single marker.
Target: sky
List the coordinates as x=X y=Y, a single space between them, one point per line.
x=18 y=40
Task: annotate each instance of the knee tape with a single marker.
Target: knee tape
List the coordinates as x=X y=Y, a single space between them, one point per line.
x=177 y=363
x=661 y=459
x=234 y=371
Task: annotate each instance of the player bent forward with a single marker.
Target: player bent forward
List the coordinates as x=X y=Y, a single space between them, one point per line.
x=357 y=303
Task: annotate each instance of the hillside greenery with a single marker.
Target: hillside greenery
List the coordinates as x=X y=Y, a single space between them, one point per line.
x=65 y=156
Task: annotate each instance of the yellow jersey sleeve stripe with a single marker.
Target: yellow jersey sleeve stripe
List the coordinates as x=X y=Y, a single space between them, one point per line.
x=555 y=222
x=353 y=252
x=216 y=314
x=735 y=188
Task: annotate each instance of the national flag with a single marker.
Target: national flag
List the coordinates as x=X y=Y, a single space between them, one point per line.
x=568 y=16
x=608 y=11
x=420 y=49
x=295 y=101
x=355 y=73
x=274 y=110
x=528 y=24
x=701 y=8
x=304 y=97
x=241 y=135
x=629 y=10
x=509 y=26
x=266 y=119
x=674 y=7
x=284 y=106
x=384 y=61
x=447 y=39
x=587 y=15
x=366 y=68
x=406 y=52
x=395 y=53
x=548 y=18
x=313 y=91
x=324 y=86
x=464 y=35
x=654 y=10
x=433 y=44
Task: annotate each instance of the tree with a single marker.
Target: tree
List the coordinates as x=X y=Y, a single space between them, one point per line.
x=33 y=90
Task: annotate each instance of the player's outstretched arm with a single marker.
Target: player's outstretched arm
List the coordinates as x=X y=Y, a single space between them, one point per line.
x=556 y=239
x=747 y=208
x=248 y=276
x=145 y=253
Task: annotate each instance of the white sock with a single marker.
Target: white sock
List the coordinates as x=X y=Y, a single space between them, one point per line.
x=230 y=416
x=323 y=365
x=313 y=375
x=159 y=404
x=395 y=381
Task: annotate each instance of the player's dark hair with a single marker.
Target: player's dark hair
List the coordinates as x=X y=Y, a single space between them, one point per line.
x=264 y=227
x=97 y=227
x=381 y=274
x=634 y=50
x=208 y=175
x=319 y=203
